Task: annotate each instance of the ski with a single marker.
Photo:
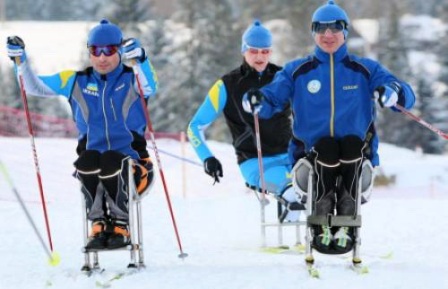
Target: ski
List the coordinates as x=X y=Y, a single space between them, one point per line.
x=313 y=272
x=107 y=281
x=359 y=269
x=104 y=278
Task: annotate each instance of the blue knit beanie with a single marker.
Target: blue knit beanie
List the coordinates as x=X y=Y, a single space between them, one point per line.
x=104 y=34
x=330 y=12
x=256 y=36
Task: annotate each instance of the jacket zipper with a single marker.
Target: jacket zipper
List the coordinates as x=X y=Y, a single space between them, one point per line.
x=332 y=95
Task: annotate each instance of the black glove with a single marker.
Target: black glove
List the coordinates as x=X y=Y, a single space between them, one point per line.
x=16 y=48
x=252 y=100
x=213 y=168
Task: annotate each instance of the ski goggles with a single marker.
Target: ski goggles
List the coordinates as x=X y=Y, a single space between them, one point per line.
x=106 y=50
x=334 y=27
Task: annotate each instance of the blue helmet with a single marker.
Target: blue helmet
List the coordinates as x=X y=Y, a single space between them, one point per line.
x=104 y=34
x=256 y=35
x=330 y=12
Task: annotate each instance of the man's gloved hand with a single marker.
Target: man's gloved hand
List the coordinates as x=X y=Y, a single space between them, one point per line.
x=387 y=94
x=252 y=101
x=213 y=168
x=132 y=49
x=16 y=48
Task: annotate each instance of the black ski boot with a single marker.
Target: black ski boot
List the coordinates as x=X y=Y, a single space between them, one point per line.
x=98 y=236
x=120 y=236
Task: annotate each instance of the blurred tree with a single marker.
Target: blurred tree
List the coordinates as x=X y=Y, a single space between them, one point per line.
x=393 y=127
x=207 y=49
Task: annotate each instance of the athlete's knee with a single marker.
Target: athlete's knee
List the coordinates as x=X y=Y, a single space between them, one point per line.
x=88 y=162
x=326 y=151
x=351 y=148
x=112 y=163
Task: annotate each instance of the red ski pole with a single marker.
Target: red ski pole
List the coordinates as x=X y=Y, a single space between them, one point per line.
x=33 y=148
x=421 y=121
x=159 y=164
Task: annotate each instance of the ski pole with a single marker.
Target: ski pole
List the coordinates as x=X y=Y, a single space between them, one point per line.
x=178 y=157
x=263 y=200
x=159 y=164
x=260 y=159
x=33 y=148
x=53 y=257
x=421 y=121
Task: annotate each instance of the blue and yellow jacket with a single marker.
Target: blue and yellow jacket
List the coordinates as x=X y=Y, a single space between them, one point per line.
x=106 y=108
x=330 y=95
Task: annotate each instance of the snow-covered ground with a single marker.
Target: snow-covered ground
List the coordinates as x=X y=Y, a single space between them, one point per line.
x=219 y=227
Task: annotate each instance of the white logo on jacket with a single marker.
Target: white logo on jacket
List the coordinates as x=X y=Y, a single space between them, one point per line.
x=314 y=86
x=119 y=87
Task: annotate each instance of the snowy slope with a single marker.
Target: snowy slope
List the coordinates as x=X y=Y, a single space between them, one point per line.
x=219 y=228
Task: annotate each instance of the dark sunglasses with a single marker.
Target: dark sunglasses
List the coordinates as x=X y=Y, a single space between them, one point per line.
x=106 y=50
x=321 y=28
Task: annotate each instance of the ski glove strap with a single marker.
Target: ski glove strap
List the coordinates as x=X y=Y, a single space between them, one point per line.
x=213 y=168
x=252 y=101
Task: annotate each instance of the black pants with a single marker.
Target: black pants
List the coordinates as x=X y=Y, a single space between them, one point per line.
x=337 y=164
x=110 y=200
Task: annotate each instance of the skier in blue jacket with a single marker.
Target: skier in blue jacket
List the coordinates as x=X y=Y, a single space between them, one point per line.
x=225 y=97
x=332 y=95
x=110 y=119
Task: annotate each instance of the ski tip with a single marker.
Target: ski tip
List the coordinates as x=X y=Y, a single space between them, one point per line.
x=55 y=259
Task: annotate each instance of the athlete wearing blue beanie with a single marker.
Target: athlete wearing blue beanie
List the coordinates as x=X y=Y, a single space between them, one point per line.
x=105 y=99
x=332 y=93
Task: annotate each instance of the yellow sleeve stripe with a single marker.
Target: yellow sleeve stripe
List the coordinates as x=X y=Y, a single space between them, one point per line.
x=213 y=94
x=65 y=76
